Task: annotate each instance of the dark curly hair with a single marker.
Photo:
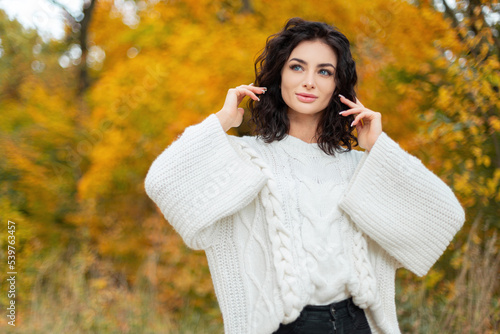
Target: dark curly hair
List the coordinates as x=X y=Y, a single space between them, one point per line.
x=270 y=117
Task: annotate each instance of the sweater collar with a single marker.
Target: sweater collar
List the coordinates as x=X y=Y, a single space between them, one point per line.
x=295 y=145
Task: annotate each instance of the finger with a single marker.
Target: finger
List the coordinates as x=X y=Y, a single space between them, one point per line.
x=346 y=101
x=351 y=111
x=242 y=91
x=256 y=90
x=364 y=115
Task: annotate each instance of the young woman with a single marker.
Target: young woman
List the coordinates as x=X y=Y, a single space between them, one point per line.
x=303 y=234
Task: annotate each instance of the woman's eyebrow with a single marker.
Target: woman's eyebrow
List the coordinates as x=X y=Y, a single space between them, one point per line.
x=305 y=63
x=299 y=60
x=326 y=64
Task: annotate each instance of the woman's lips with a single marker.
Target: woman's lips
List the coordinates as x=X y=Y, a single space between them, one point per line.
x=307 y=98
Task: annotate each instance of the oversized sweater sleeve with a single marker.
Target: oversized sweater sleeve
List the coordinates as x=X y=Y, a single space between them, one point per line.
x=400 y=204
x=201 y=178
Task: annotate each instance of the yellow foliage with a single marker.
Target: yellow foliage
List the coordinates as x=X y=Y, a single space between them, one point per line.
x=433 y=278
x=494 y=122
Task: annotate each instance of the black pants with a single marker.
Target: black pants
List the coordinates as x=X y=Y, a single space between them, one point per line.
x=337 y=318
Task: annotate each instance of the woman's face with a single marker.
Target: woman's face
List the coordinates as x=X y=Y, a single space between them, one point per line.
x=308 y=78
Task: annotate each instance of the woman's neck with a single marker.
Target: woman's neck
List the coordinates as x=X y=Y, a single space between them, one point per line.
x=303 y=126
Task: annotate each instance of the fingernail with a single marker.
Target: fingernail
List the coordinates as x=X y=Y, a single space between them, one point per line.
x=352 y=124
x=251 y=84
x=340 y=113
x=258 y=99
x=342 y=96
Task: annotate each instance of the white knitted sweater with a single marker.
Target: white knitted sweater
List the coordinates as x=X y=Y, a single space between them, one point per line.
x=259 y=211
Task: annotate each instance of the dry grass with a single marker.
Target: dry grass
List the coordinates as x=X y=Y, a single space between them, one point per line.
x=64 y=299
x=468 y=304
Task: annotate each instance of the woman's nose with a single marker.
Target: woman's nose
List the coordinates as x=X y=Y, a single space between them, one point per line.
x=308 y=83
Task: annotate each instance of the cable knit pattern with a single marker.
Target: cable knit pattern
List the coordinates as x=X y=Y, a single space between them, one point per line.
x=316 y=183
x=281 y=240
x=283 y=224
x=364 y=287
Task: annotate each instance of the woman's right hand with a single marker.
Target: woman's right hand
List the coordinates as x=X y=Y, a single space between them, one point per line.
x=232 y=116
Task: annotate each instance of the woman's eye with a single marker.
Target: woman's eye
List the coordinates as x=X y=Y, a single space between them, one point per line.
x=325 y=72
x=296 y=67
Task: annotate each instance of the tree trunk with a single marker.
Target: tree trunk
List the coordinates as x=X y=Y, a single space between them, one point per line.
x=83 y=79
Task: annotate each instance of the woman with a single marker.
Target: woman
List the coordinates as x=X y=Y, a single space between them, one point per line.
x=303 y=234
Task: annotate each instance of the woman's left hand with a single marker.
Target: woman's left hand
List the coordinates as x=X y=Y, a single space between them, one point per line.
x=368 y=122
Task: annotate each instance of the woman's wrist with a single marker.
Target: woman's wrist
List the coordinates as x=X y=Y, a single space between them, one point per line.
x=224 y=120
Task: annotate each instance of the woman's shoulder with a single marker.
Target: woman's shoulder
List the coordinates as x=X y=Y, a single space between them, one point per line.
x=250 y=144
x=252 y=141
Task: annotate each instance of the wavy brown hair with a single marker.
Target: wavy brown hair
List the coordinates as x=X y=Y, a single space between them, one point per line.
x=334 y=132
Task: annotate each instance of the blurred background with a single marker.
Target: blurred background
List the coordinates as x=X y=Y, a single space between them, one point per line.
x=92 y=91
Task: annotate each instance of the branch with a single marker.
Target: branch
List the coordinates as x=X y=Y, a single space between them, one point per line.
x=480 y=17
x=88 y=8
x=66 y=13
x=456 y=24
x=451 y=14
x=247 y=7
